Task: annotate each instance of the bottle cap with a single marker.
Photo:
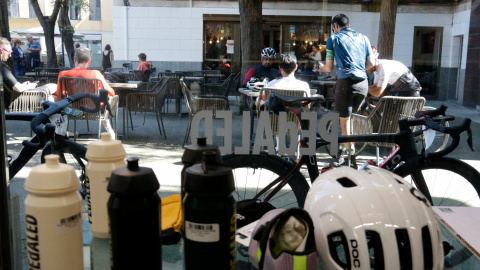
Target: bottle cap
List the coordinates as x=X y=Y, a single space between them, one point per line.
x=52 y=176
x=209 y=177
x=133 y=179
x=105 y=148
x=193 y=152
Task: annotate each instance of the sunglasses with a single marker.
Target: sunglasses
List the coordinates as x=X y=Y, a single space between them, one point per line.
x=4 y=49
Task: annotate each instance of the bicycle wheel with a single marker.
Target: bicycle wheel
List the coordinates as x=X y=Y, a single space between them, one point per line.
x=254 y=172
x=440 y=139
x=451 y=182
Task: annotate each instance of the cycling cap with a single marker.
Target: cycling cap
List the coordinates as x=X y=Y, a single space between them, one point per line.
x=269 y=52
x=372 y=219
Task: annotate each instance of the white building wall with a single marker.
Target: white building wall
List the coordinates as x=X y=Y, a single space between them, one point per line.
x=176 y=33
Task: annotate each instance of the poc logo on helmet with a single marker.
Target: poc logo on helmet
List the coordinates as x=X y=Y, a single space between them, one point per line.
x=355 y=253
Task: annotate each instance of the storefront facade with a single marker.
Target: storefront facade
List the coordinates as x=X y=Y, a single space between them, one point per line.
x=194 y=35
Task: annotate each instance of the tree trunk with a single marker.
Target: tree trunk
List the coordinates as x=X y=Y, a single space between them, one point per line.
x=48 y=25
x=250 y=33
x=5 y=28
x=386 y=32
x=65 y=24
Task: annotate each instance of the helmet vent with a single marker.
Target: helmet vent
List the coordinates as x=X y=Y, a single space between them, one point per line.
x=404 y=249
x=375 y=250
x=346 y=182
x=427 y=248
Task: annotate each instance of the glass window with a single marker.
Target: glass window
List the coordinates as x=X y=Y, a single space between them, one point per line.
x=31 y=12
x=13 y=8
x=215 y=43
x=95 y=10
x=300 y=38
x=75 y=12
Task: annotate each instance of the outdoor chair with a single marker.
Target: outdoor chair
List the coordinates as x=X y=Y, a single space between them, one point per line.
x=73 y=85
x=219 y=89
x=150 y=100
x=394 y=109
x=47 y=75
x=24 y=102
x=114 y=69
x=306 y=78
x=291 y=117
x=195 y=104
x=140 y=76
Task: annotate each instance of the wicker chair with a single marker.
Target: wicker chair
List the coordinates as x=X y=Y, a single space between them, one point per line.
x=291 y=117
x=73 y=85
x=150 y=100
x=25 y=102
x=394 y=109
x=195 y=104
x=47 y=75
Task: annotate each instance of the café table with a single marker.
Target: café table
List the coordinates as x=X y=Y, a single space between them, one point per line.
x=327 y=89
x=122 y=89
x=97 y=250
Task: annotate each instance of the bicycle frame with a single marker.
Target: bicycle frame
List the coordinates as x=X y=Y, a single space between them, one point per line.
x=406 y=152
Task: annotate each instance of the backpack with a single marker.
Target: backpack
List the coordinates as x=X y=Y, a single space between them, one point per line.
x=117 y=76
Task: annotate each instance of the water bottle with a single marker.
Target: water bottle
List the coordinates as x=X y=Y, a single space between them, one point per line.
x=104 y=156
x=135 y=212
x=193 y=154
x=209 y=215
x=53 y=215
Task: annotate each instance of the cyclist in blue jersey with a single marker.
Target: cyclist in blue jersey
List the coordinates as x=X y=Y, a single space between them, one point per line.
x=353 y=56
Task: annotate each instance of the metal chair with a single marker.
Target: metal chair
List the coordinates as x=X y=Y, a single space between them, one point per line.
x=195 y=104
x=47 y=75
x=291 y=117
x=394 y=109
x=219 y=89
x=151 y=100
x=73 y=85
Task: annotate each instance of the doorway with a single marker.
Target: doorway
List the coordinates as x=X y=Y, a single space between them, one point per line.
x=426 y=58
x=271 y=35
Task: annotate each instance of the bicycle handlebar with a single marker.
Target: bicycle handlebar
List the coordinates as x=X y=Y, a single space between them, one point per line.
x=454 y=132
x=51 y=108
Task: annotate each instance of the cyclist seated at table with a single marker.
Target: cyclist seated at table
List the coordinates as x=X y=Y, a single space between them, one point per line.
x=82 y=62
x=288 y=66
x=264 y=70
x=394 y=77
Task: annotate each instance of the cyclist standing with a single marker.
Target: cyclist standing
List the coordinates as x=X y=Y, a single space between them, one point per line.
x=353 y=55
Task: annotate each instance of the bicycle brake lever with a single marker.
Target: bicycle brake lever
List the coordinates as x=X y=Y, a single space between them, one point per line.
x=43 y=135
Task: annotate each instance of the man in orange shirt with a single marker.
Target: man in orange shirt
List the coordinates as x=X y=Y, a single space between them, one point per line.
x=82 y=61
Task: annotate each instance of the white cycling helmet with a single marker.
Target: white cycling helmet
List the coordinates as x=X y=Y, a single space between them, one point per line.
x=268 y=52
x=372 y=219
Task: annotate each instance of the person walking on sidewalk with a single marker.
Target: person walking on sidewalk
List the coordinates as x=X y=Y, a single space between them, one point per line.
x=107 y=57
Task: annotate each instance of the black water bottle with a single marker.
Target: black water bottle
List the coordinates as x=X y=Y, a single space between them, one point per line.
x=209 y=215
x=193 y=153
x=135 y=218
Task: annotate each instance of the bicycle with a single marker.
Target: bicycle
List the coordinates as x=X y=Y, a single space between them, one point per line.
x=265 y=177
x=45 y=137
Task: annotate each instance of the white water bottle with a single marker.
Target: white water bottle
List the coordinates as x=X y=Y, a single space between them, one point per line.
x=104 y=156
x=53 y=215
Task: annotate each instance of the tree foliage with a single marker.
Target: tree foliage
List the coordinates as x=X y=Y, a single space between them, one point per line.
x=61 y=7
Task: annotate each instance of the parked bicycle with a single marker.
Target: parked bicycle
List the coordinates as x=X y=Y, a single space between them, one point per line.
x=52 y=143
x=443 y=180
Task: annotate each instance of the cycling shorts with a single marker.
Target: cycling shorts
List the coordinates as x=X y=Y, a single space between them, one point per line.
x=349 y=95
